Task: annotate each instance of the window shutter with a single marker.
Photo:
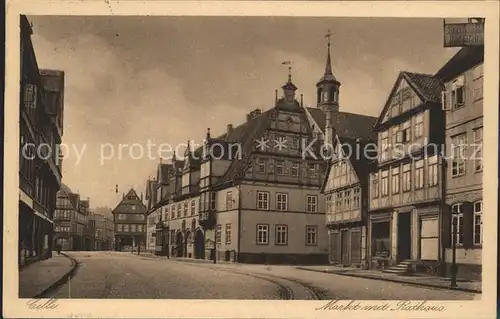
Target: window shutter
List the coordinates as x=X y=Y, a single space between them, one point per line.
x=467 y=209
x=446 y=227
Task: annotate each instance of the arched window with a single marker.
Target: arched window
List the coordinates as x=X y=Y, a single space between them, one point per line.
x=320 y=94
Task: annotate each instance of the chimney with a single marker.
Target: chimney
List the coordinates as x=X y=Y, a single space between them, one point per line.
x=229 y=129
x=142 y=197
x=253 y=114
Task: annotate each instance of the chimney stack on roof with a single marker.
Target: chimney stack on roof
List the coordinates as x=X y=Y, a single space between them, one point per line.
x=229 y=129
x=253 y=114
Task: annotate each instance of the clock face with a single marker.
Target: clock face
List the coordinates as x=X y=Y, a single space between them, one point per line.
x=289 y=122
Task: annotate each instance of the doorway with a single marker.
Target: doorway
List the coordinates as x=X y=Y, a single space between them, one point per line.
x=199 y=245
x=404 y=236
x=179 y=245
x=345 y=247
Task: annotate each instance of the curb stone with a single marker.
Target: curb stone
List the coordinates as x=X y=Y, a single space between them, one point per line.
x=60 y=281
x=340 y=273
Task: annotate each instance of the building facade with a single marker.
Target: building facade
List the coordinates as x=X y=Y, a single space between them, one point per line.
x=103 y=232
x=463 y=104
x=129 y=219
x=70 y=220
x=40 y=123
x=406 y=189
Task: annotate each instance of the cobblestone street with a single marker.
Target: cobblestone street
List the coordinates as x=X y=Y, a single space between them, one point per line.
x=123 y=275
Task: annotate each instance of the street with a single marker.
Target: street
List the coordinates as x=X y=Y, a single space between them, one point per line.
x=123 y=275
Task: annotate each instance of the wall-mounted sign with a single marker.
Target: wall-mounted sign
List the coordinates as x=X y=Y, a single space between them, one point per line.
x=463 y=34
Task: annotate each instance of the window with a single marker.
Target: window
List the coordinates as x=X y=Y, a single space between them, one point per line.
x=312 y=203
x=395 y=180
x=122 y=216
x=384 y=144
x=478 y=223
x=119 y=227
x=262 y=200
x=357 y=198
x=311 y=235
x=185 y=209
x=30 y=95
x=457 y=218
x=133 y=207
x=280 y=167
x=385 y=183
x=406 y=132
x=312 y=170
x=179 y=210
x=262 y=234
x=281 y=201
x=140 y=228
x=328 y=204
x=212 y=200
x=375 y=188
x=406 y=177
x=133 y=228
x=339 y=202
x=419 y=174
x=229 y=200
x=419 y=125
x=458 y=155
x=218 y=234
x=193 y=207
x=295 y=143
x=432 y=171
x=228 y=233
x=396 y=135
x=281 y=235
x=294 y=170
x=478 y=144
x=126 y=228
x=261 y=166
x=477 y=75
x=173 y=211
x=457 y=93
x=347 y=199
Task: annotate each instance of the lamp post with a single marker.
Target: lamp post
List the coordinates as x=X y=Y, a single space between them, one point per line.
x=453 y=283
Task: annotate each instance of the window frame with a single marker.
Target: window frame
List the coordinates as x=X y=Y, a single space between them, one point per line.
x=265 y=200
x=280 y=202
x=228 y=234
x=280 y=229
x=419 y=174
x=458 y=85
x=457 y=214
x=265 y=231
x=315 y=232
x=395 y=180
x=474 y=230
x=460 y=162
x=478 y=143
x=310 y=204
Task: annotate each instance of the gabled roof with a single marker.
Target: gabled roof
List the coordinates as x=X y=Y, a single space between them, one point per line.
x=463 y=60
x=361 y=164
x=346 y=124
x=125 y=205
x=245 y=135
x=428 y=88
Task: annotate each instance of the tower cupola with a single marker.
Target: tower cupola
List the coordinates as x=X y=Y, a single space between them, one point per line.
x=328 y=86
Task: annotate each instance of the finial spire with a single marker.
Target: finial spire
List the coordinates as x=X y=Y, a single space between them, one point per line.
x=328 y=68
x=289 y=74
x=208 y=133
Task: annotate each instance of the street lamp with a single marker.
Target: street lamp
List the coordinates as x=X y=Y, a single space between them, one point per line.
x=453 y=283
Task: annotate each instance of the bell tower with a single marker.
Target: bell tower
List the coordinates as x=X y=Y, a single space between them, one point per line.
x=328 y=86
x=328 y=96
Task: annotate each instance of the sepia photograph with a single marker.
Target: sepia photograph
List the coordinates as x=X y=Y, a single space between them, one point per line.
x=239 y=157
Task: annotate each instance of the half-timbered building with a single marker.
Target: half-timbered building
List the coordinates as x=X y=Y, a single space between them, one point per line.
x=406 y=189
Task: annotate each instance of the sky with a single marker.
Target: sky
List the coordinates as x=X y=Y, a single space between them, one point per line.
x=133 y=83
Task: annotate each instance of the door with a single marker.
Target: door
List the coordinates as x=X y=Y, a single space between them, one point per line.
x=355 y=246
x=345 y=247
x=199 y=245
x=334 y=250
x=404 y=236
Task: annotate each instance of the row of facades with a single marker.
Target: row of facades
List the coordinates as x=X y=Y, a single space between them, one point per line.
x=40 y=129
x=386 y=194
x=76 y=227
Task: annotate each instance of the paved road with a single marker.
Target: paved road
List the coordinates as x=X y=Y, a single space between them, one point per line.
x=123 y=275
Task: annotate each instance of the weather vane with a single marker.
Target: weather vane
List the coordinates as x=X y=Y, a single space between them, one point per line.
x=289 y=63
x=328 y=36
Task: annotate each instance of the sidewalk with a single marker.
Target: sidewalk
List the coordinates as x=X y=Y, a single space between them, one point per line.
x=39 y=277
x=417 y=280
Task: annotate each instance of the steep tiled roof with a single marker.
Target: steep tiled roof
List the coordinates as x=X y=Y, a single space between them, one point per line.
x=245 y=134
x=464 y=59
x=163 y=172
x=426 y=85
x=125 y=205
x=347 y=124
